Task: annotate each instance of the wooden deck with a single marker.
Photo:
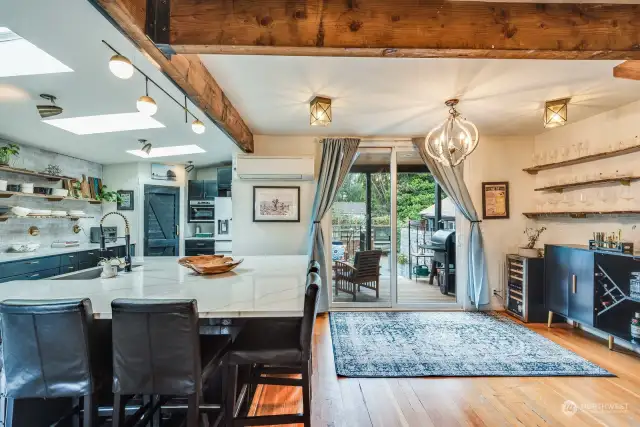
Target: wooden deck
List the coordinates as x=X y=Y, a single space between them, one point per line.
x=410 y=291
x=457 y=402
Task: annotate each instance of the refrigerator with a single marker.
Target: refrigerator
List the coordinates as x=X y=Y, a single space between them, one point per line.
x=223 y=225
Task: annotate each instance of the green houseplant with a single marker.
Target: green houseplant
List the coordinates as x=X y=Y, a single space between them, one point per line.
x=7 y=151
x=109 y=196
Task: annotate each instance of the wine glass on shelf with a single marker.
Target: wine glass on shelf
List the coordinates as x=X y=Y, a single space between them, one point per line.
x=553 y=156
x=627 y=196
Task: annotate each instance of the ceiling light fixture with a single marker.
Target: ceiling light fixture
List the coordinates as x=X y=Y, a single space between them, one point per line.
x=48 y=110
x=320 y=109
x=22 y=58
x=121 y=67
x=146 y=146
x=452 y=141
x=105 y=123
x=146 y=105
x=198 y=127
x=555 y=112
x=178 y=150
x=189 y=167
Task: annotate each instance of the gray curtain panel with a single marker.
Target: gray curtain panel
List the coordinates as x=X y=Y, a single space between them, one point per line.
x=338 y=154
x=450 y=179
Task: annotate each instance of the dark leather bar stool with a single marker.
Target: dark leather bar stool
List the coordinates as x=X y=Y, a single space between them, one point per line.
x=274 y=347
x=51 y=350
x=158 y=353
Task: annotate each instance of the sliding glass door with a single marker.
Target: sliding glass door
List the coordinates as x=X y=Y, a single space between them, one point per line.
x=382 y=222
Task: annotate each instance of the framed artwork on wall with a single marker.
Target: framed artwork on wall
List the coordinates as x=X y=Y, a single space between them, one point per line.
x=126 y=204
x=276 y=204
x=495 y=200
x=163 y=172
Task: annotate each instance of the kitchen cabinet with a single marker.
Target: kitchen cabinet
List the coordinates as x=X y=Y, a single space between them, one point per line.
x=225 y=175
x=556 y=277
x=200 y=247
x=581 y=286
x=203 y=190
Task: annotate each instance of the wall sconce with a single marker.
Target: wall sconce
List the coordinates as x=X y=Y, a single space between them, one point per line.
x=555 y=113
x=320 y=109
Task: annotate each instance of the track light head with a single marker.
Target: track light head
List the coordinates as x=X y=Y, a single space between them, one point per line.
x=121 y=67
x=198 y=127
x=189 y=167
x=48 y=110
x=146 y=105
x=146 y=146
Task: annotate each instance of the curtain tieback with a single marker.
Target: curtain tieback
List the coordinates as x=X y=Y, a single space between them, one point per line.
x=478 y=221
x=316 y=222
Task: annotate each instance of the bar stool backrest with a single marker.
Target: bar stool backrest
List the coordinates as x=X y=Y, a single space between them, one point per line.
x=156 y=347
x=47 y=347
x=311 y=298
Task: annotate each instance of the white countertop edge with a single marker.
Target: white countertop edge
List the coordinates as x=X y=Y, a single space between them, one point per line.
x=229 y=314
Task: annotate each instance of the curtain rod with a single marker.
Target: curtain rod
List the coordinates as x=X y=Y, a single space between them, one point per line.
x=373 y=139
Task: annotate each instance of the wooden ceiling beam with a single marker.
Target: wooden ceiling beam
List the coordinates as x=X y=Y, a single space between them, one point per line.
x=187 y=71
x=627 y=70
x=406 y=28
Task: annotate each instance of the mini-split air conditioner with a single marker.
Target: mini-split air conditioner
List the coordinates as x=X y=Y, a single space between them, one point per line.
x=274 y=168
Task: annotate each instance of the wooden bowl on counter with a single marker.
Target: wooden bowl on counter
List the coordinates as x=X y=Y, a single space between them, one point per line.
x=210 y=264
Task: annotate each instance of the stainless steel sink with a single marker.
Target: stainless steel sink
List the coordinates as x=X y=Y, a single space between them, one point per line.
x=91 y=273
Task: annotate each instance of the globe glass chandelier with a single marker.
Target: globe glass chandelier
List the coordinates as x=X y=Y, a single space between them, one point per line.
x=452 y=141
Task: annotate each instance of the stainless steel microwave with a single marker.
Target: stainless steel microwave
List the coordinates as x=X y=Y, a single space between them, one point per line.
x=202 y=211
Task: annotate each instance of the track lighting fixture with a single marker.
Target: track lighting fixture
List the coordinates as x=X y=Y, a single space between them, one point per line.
x=121 y=67
x=198 y=127
x=48 y=110
x=146 y=104
x=189 y=167
x=146 y=146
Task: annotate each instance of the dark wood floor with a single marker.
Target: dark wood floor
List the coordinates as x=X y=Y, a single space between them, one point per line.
x=453 y=402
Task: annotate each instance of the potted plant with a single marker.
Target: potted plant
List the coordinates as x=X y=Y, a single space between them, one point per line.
x=533 y=234
x=109 y=196
x=7 y=151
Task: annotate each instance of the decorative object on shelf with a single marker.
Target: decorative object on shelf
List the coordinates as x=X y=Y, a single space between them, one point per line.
x=634 y=286
x=452 y=141
x=611 y=242
x=122 y=67
x=84 y=188
x=7 y=152
x=53 y=170
x=276 y=204
x=210 y=264
x=584 y=159
x=24 y=247
x=3 y=185
x=578 y=214
x=533 y=234
x=635 y=327
x=44 y=191
x=27 y=187
x=107 y=195
x=20 y=211
x=555 y=112
x=33 y=231
x=146 y=104
x=46 y=111
x=495 y=200
x=163 y=172
x=125 y=201
x=320 y=111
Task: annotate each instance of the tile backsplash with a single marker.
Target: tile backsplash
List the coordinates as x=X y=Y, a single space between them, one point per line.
x=35 y=159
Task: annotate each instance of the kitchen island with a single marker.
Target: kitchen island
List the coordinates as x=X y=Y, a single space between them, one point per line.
x=262 y=286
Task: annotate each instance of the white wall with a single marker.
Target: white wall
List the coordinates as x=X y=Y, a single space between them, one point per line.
x=599 y=133
x=134 y=176
x=255 y=238
x=496 y=159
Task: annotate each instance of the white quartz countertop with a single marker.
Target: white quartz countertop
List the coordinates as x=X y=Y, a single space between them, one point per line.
x=199 y=238
x=48 y=251
x=262 y=286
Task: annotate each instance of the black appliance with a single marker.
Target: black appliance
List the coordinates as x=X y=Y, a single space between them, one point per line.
x=443 y=245
x=524 y=297
x=194 y=247
x=110 y=234
x=202 y=211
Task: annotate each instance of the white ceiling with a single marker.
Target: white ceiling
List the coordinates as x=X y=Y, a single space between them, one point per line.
x=405 y=97
x=73 y=35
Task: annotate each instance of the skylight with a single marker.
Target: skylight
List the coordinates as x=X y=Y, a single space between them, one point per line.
x=88 y=125
x=178 y=150
x=22 y=58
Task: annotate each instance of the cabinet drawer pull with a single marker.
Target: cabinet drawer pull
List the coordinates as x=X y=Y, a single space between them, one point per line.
x=32 y=262
x=71 y=256
x=70 y=267
x=35 y=275
x=574 y=283
x=90 y=253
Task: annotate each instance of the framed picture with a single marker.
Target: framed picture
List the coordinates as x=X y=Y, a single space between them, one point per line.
x=276 y=204
x=127 y=200
x=163 y=172
x=495 y=200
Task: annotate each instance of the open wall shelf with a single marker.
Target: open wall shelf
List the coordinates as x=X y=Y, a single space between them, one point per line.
x=579 y=214
x=4 y=168
x=7 y=194
x=4 y=218
x=590 y=158
x=625 y=180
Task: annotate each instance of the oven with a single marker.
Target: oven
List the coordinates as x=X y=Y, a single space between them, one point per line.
x=202 y=211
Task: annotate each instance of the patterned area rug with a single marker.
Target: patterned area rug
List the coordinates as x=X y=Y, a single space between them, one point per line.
x=456 y=344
